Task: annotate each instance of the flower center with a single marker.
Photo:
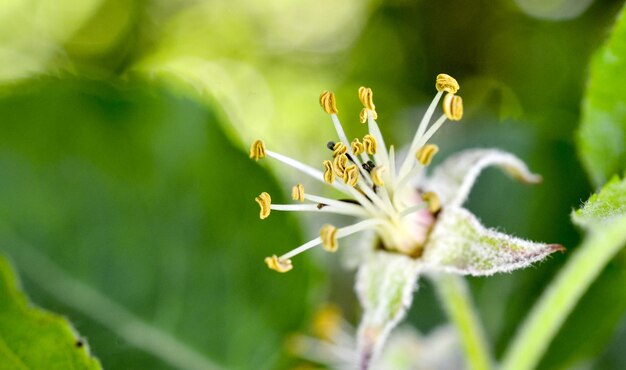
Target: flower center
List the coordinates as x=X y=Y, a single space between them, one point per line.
x=380 y=192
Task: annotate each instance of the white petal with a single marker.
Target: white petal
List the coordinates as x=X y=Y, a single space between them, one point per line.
x=385 y=286
x=454 y=178
x=460 y=244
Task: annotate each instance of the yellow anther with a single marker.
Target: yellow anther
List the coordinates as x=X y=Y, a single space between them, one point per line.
x=366 y=96
x=377 y=175
x=370 y=144
x=278 y=264
x=328 y=233
x=339 y=164
x=339 y=149
x=426 y=153
x=265 y=201
x=351 y=175
x=363 y=115
x=327 y=101
x=297 y=192
x=326 y=322
x=433 y=201
x=329 y=175
x=453 y=107
x=446 y=83
x=257 y=150
x=357 y=147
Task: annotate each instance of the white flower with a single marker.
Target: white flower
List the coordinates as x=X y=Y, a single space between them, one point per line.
x=418 y=220
x=332 y=343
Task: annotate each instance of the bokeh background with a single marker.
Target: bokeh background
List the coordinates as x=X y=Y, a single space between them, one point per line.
x=127 y=194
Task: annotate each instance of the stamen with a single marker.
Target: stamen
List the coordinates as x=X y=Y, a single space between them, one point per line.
x=377 y=175
x=453 y=107
x=278 y=264
x=369 y=143
x=426 y=153
x=257 y=150
x=446 y=83
x=339 y=149
x=363 y=115
x=339 y=164
x=265 y=201
x=297 y=192
x=329 y=175
x=340 y=210
x=341 y=233
x=328 y=235
x=408 y=162
x=366 y=97
x=325 y=177
x=432 y=130
x=330 y=145
x=433 y=201
x=351 y=175
x=357 y=147
x=327 y=101
x=349 y=205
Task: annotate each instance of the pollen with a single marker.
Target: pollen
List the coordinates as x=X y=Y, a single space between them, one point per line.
x=351 y=175
x=278 y=264
x=369 y=144
x=329 y=175
x=327 y=101
x=339 y=164
x=339 y=149
x=297 y=192
x=357 y=147
x=453 y=107
x=265 y=201
x=366 y=96
x=377 y=173
x=257 y=150
x=446 y=83
x=433 y=201
x=328 y=234
x=426 y=153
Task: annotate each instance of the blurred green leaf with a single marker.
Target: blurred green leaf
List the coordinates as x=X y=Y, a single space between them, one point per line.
x=603 y=206
x=604 y=217
x=602 y=134
x=129 y=209
x=31 y=338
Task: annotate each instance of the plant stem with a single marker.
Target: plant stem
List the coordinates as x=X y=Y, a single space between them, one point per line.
x=560 y=298
x=454 y=294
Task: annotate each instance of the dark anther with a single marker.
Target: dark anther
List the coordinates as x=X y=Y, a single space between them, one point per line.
x=330 y=145
x=351 y=201
x=79 y=343
x=321 y=205
x=371 y=164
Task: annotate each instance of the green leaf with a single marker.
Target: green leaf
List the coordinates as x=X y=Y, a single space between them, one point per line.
x=31 y=338
x=568 y=303
x=129 y=209
x=604 y=206
x=602 y=134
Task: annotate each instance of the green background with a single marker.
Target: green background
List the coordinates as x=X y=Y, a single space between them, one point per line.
x=127 y=194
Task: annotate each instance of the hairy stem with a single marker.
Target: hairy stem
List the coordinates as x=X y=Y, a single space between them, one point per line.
x=560 y=298
x=455 y=296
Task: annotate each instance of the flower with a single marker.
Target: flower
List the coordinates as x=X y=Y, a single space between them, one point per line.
x=419 y=222
x=331 y=342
